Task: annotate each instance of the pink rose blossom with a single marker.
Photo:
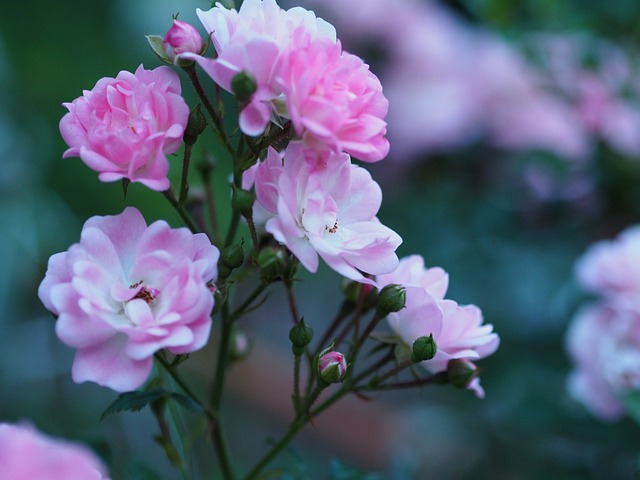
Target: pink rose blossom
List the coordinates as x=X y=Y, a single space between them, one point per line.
x=181 y=38
x=457 y=330
x=26 y=454
x=128 y=290
x=604 y=343
x=252 y=40
x=612 y=267
x=126 y=126
x=327 y=209
x=335 y=103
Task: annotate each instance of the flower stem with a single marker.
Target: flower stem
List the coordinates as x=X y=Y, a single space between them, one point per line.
x=184 y=185
x=217 y=121
x=171 y=196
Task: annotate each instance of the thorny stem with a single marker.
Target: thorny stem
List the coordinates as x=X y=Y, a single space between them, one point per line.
x=217 y=121
x=184 y=185
x=171 y=196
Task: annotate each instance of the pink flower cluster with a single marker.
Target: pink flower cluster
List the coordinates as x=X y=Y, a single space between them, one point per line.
x=127 y=290
x=126 y=126
x=603 y=339
x=301 y=73
x=325 y=209
x=26 y=454
x=457 y=330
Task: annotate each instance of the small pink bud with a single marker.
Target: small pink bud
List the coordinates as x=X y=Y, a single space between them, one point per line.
x=332 y=367
x=181 y=38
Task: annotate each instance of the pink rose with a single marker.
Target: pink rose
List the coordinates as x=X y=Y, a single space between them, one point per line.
x=612 y=267
x=126 y=126
x=604 y=343
x=128 y=290
x=335 y=103
x=26 y=454
x=252 y=40
x=181 y=38
x=327 y=210
x=458 y=330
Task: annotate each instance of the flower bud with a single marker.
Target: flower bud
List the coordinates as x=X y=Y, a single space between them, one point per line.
x=244 y=86
x=461 y=372
x=272 y=263
x=332 y=367
x=239 y=346
x=391 y=299
x=195 y=125
x=242 y=201
x=181 y=38
x=300 y=335
x=424 y=348
x=233 y=255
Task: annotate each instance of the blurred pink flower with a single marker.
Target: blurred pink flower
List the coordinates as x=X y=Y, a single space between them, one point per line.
x=126 y=126
x=603 y=341
x=128 y=290
x=26 y=454
x=612 y=267
x=181 y=38
x=327 y=209
x=457 y=330
x=335 y=103
x=252 y=40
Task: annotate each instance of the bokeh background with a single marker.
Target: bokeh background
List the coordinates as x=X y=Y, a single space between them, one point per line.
x=515 y=132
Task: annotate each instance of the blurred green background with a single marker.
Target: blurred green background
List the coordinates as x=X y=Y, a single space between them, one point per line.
x=509 y=255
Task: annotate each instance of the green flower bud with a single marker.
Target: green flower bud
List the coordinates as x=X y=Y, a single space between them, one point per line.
x=195 y=125
x=244 y=86
x=242 y=201
x=424 y=348
x=391 y=298
x=461 y=372
x=233 y=255
x=300 y=335
x=272 y=263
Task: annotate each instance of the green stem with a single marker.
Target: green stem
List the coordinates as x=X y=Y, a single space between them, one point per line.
x=249 y=300
x=205 y=173
x=184 y=185
x=233 y=228
x=293 y=307
x=296 y=383
x=183 y=385
x=169 y=195
x=217 y=121
x=219 y=440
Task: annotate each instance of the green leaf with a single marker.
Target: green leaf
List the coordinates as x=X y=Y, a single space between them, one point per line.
x=155 y=42
x=187 y=402
x=134 y=401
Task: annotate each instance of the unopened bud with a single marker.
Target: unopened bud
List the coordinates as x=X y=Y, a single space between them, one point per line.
x=352 y=290
x=391 y=298
x=332 y=367
x=181 y=38
x=461 y=372
x=424 y=348
x=239 y=347
x=242 y=201
x=272 y=263
x=244 y=86
x=300 y=335
x=233 y=255
x=195 y=125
